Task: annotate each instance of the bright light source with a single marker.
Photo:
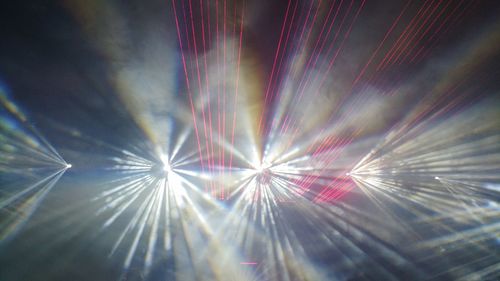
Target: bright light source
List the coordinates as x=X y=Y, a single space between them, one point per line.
x=262 y=167
x=436 y=178
x=264 y=174
x=164 y=159
x=68 y=166
x=167 y=168
x=347 y=174
x=166 y=163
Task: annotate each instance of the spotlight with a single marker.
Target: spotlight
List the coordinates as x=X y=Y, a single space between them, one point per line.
x=162 y=168
x=263 y=166
x=264 y=175
x=167 y=168
x=166 y=163
x=436 y=178
x=68 y=166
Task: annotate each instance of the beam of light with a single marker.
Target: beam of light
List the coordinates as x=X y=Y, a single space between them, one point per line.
x=263 y=233
x=438 y=179
x=161 y=215
x=29 y=168
x=299 y=196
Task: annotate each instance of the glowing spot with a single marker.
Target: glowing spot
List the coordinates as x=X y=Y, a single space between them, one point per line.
x=166 y=163
x=264 y=176
x=167 y=168
x=262 y=167
x=68 y=166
